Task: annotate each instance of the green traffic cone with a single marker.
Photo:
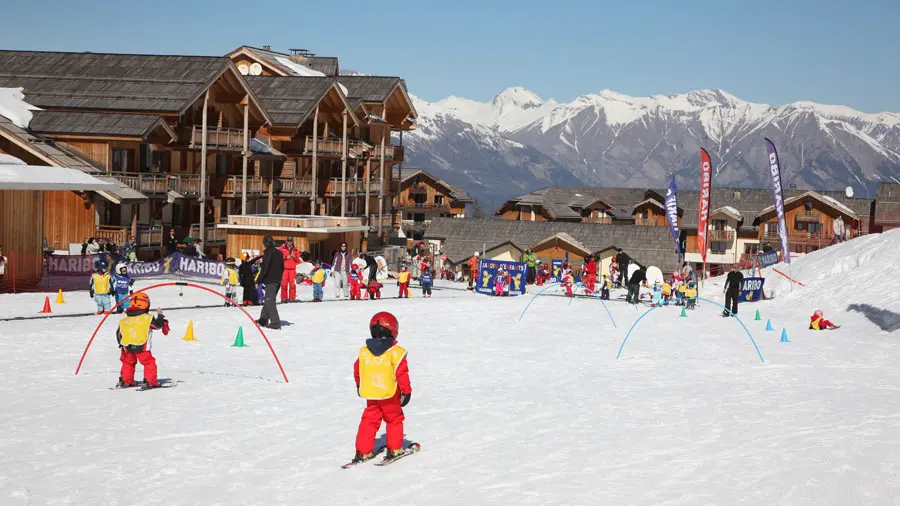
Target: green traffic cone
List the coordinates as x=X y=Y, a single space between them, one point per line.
x=683 y=312
x=239 y=340
x=757 y=316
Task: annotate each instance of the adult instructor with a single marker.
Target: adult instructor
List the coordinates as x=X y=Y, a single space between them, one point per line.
x=733 y=283
x=531 y=260
x=270 y=275
x=340 y=271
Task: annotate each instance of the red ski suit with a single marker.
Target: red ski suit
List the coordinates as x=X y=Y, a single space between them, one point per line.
x=388 y=410
x=131 y=355
x=289 y=278
x=355 y=285
x=590 y=275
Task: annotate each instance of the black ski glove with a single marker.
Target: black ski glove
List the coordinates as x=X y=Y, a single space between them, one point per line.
x=404 y=399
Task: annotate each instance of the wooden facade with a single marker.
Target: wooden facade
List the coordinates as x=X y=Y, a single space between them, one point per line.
x=809 y=222
x=21 y=237
x=69 y=217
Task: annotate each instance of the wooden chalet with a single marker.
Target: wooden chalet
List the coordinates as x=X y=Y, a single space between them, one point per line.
x=423 y=197
x=887 y=207
x=256 y=61
x=174 y=129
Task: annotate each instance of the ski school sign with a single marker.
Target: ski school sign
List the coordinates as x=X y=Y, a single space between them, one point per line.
x=83 y=265
x=752 y=289
x=487 y=271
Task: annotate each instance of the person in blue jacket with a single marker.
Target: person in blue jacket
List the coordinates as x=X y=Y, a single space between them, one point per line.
x=122 y=284
x=427 y=279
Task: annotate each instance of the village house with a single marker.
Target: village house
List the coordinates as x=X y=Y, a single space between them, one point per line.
x=423 y=197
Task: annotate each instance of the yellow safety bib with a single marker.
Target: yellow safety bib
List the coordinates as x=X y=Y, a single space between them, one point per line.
x=101 y=283
x=378 y=375
x=815 y=323
x=232 y=276
x=403 y=277
x=319 y=276
x=135 y=329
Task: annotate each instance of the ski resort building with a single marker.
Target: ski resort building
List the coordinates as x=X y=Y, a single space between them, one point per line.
x=887 y=207
x=423 y=197
x=742 y=221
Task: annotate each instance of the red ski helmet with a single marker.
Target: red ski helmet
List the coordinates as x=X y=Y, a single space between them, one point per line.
x=384 y=324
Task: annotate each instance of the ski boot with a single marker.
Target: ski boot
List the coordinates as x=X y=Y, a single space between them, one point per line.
x=390 y=455
x=121 y=384
x=359 y=457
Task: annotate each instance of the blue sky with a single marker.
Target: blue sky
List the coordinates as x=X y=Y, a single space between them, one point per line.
x=827 y=51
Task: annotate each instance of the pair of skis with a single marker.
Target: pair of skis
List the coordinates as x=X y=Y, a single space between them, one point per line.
x=142 y=387
x=410 y=449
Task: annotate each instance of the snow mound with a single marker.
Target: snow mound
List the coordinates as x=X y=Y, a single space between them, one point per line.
x=14 y=107
x=10 y=160
x=861 y=273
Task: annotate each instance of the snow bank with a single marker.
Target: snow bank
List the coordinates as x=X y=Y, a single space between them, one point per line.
x=10 y=160
x=14 y=107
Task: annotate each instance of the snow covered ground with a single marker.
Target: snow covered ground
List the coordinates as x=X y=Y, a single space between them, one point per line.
x=507 y=412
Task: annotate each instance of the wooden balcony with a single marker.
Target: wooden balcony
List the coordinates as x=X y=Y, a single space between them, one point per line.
x=148 y=184
x=234 y=186
x=823 y=238
x=332 y=147
x=117 y=235
x=275 y=221
x=355 y=188
x=213 y=235
x=597 y=220
x=721 y=235
x=216 y=138
x=189 y=185
x=410 y=205
x=415 y=225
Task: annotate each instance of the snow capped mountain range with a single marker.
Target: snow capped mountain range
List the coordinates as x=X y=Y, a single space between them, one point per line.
x=518 y=141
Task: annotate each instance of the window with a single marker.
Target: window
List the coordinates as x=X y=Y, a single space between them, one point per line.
x=771 y=228
x=419 y=217
x=122 y=160
x=807 y=206
x=751 y=248
x=161 y=161
x=814 y=228
x=438 y=200
x=221 y=165
x=718 y=224
x=717 y=247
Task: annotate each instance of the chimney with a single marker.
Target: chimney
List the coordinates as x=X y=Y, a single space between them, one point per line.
x=300 y=55
x=267 y=47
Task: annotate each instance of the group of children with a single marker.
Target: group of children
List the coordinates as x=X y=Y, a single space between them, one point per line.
x=679 y=292
x=404 y=277
x=105 y=287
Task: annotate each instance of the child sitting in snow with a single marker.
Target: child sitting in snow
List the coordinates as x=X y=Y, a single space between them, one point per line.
x=818 y=322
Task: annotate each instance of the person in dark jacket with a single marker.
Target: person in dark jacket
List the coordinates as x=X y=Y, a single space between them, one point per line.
x=245 y=278
x=171 y=242
x=270 y=275
x=371 y=264
x=634 y=286
x=733 y=283
x=622 y=259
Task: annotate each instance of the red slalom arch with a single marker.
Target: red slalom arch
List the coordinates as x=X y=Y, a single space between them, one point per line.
x=182 y=283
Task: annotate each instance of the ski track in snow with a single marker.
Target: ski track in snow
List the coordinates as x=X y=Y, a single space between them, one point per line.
x=507 y=412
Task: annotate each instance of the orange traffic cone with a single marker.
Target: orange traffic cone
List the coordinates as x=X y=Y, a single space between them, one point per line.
x=46 y=305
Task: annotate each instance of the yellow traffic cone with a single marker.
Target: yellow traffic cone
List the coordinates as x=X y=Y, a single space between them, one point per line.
x=189 y=335
x=59 y=297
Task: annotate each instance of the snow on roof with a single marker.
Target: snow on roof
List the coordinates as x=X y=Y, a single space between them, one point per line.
x=14 y=107
x=33 y=177
x=10 y=160
x=300 y=70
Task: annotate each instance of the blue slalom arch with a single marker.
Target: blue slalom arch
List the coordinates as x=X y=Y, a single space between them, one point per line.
x=705 y=300
x=597 y=297
x=551 y=285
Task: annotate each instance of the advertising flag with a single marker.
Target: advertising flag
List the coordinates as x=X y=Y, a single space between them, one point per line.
x=703 y=207
x=775 y=170
x=672 y=214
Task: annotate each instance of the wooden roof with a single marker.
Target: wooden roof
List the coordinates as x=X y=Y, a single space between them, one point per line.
x=462 y=237
x=117 y=82
x=291 y=100
x=140 y=126
x=390 y=91
x=47 y=151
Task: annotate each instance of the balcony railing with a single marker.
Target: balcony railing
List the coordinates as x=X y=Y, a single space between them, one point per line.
x=770 y=237
x=645 y=222
x=721 y=235
x=425 y=206
x=234 y=186
x=597 y=220
x=144 y=183
x=415 y=225
x=213 y=234
x=116 y=235
x=216 y=138
x=291 y=221
x=333 y=146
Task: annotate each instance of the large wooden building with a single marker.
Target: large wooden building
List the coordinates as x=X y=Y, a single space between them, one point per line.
x=422 y=197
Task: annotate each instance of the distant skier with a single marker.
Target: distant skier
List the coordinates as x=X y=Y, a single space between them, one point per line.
x=403 y=283
x=231 y=280
x=427 y=280
x=818 y=322
x=567 y=279
x=382 y=378
x=133 y=337
x=590 y=274
x=634 y=286
x=101 y=288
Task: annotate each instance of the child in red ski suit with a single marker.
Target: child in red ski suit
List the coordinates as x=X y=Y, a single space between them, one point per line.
x=133 y=337
x=355 y=284
x=373 y=290
x=382 y=378
x=403 y=283
x=818 y=322
x=567 y=279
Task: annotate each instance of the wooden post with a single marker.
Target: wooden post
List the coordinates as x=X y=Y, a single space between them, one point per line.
x=384 y=127
x=203 y=169
x=368 y=176
x=246 y=153
x=344 y=168
x=315 y=163
x=134 y=217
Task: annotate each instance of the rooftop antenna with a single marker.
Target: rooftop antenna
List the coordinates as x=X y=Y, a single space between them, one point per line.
x=301 y=52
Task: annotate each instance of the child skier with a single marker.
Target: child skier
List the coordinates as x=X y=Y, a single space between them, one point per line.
x=657 y=295
x=690 y=296
x=355 y=283
x=666 y=292
x=122 y=287
x=499 y=283
x=604 y=287
x=818 y=322
x=566 y=278
x=230 y=278
x=403 y=283
x=133 y=336
x=427 y=280
x=373 y=290
x=382 y=378
x=318 y=279
x=100 y=288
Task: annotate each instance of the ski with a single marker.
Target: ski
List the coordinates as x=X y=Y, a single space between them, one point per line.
x=375 y=453
x=411 y=449
x=145 y=387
